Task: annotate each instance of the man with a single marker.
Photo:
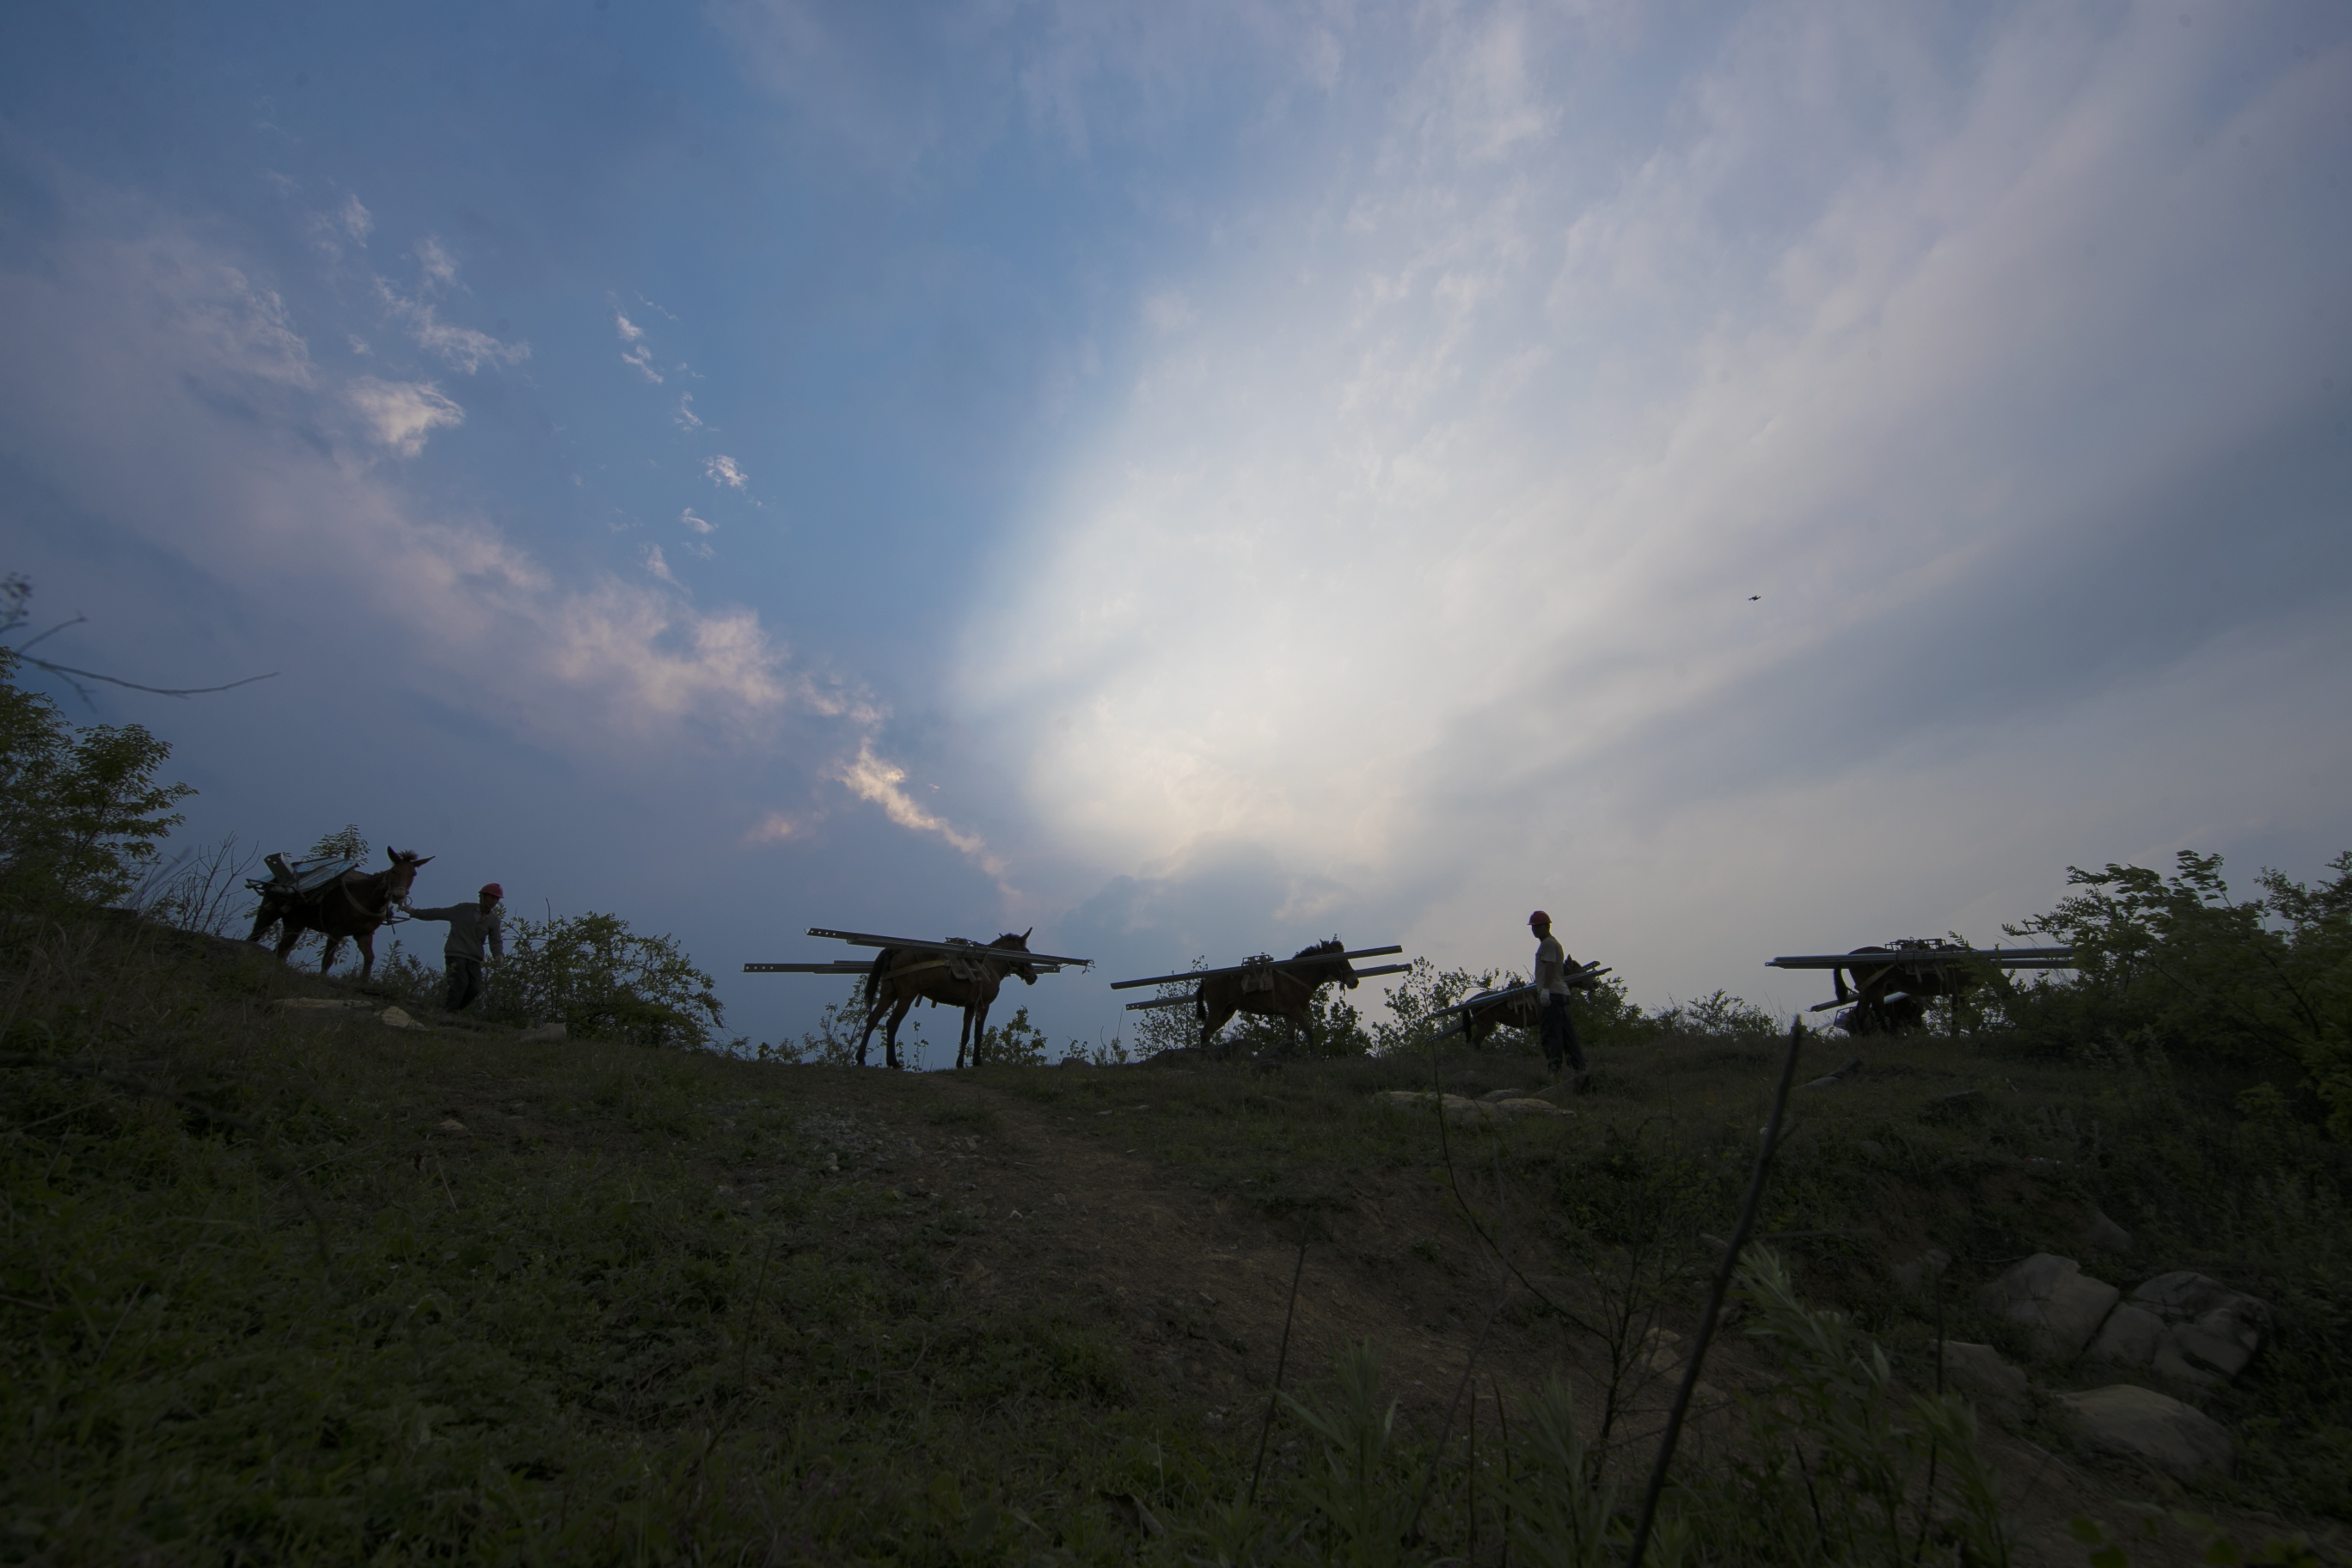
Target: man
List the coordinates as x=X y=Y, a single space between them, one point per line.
x=468 y=925
x=1560 y=1041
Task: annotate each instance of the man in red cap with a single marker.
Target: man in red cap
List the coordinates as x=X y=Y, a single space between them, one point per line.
x=1560 y=1042
x=469 y=925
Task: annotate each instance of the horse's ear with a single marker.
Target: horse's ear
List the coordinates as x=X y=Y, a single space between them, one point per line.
x=424 y=860
x=1024 y=935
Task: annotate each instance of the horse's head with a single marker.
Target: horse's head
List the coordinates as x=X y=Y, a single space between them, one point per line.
x=1339 y=969
x=1019 y=943
x=403 y=873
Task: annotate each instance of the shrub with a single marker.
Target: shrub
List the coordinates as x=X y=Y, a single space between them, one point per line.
x=80 y=811
x=2181 y=964
x=600 y=978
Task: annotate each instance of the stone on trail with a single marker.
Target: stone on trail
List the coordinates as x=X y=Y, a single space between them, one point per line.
x=1978 y=1372
x=2060 y=1306
x=540 y=1034
x=394 y=1018
x=321 y=1004
x=2156 y=1428
x=1477 y=1112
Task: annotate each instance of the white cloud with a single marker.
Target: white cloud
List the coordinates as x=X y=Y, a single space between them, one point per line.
x=434 y=264
x=656 y=567
x=723 y=471
x=357 y=221
x=401 y=414
x=698 y=525
x=687 y=419
x=630 y=331
x=640 y=358
x=773 y=829
x=871 y=778
x=152 y=383
x=462 y=348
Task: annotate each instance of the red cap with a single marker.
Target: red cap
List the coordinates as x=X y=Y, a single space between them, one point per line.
x=492 y=891
x=1538 y=919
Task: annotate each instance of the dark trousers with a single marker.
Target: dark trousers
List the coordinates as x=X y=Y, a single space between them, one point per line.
x=466 y=983
x=1560 y=1041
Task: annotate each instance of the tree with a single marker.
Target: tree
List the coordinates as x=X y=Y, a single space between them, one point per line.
x=2180 y=963
x=81 y=812
x=596 y=976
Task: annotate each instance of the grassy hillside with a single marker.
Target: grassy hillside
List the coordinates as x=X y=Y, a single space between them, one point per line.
x=288 y=1285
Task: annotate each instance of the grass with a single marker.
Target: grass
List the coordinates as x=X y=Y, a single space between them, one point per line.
x=277 y=1289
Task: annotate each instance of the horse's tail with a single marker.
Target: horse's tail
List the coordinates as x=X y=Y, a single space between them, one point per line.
x=1201 y=1003
x=874 y=976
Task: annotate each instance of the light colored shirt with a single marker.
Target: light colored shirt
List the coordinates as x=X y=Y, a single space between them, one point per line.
x=1551 y=965
x=469 y=924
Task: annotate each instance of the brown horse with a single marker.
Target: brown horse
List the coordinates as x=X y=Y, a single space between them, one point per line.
x=354 y=906
x=902 y=976
x=1890 y=993
x=1270 y=991
x=1520 y=1011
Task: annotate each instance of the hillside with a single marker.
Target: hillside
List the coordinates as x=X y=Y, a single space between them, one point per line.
x=286 y=1284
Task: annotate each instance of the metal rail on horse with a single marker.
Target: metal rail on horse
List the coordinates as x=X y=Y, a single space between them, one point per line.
x=1892 y=981
x=1520 y=1006
x=1264 y=985
x=956 y=973
x=336 y=900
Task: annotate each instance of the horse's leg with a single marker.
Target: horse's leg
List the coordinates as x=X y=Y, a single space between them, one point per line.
x=890 y=1035
x=976 y=1019
x=872 y=1016
x=334 y=946
x=365 y=942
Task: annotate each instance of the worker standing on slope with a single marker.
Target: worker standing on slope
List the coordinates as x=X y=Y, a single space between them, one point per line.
x=1560 y=1042
x=470 y=926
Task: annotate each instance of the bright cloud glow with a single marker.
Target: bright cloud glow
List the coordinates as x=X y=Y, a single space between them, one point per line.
x=723 y=471
x=402 y=414
x=872 y=779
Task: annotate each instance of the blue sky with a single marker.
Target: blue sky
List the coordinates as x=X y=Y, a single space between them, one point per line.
x=1747 y=479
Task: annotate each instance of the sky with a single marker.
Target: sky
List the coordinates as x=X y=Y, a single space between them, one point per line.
x=1194 y=481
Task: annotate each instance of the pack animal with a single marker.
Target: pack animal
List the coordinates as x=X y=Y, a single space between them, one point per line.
x=1892 y=984
x=968 y=979
x=1272 y=991
x=352 y=906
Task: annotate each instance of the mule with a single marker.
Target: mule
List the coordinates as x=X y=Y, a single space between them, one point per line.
x=1890 y=996
x=353 y=905
x=1479 y=1022
x=1293 y=986
x=902 y=976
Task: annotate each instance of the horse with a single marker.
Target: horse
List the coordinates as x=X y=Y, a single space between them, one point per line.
x=1890 y=996
x=1261 y=988
x=353 y=905
x=1482 y=1019
x=968 y=979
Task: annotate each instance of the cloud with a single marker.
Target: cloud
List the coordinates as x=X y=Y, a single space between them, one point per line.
x=1425 y=550
x=358 y=223
x=724 y=473
x=402 y=414
x=642 y=358
x=871 y=778
x=658 y=567
x=147 y=380
x=436 y=265
x=687 y=419
x=462 y=348
x=697 y=524
x=773 y=829
x=630 y=331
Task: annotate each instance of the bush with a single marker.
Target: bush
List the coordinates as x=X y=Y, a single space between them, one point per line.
x=598 y=977
x=80 y=811
x=2178 y=964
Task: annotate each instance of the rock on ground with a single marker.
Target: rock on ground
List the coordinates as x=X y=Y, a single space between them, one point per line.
x=2210 y=1332
x=539 y=1033
x=2060 y=1306
x=1460 y=1108
x=1978 y=1372
x=2155 y=1428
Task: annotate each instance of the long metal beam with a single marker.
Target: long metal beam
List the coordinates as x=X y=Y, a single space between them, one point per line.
x=1186 y=1000
x=1584 y=971
x=839 y=966
x=866 y=939
x=1307 y=961
x=1997 y=957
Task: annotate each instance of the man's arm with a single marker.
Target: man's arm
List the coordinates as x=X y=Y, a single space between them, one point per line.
x=435 y=914
x=497 y=934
